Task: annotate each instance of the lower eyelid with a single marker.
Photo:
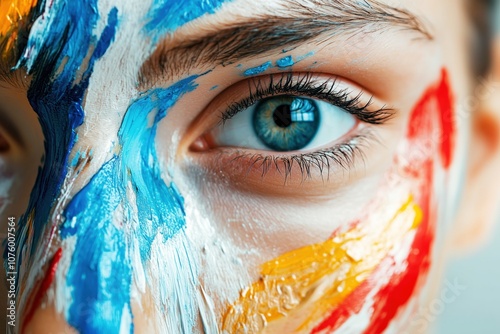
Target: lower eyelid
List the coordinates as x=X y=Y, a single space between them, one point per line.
x=259 y=172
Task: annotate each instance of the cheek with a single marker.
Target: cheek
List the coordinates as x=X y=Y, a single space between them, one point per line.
x=18 y=170
x=368 y=271
x=6 y=180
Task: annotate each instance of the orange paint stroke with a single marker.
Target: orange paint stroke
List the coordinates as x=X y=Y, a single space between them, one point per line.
x=11 y=14
x=316 y=278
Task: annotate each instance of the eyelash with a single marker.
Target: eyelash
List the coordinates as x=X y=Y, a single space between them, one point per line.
x=306 y=85
x=342 y=155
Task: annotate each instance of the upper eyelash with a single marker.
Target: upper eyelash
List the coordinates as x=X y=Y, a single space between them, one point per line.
x=292 y=84
x=342 y=154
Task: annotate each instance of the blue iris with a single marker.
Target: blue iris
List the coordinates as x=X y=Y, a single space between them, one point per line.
x=286 y=123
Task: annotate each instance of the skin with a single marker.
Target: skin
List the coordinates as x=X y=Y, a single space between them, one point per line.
x=236 y=219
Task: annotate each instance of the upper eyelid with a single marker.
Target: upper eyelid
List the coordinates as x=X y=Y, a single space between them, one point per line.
x=298 y=24
x=209 y=116
x=325 y=89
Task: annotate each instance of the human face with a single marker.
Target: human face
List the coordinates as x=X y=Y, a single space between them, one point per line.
x=323 y=204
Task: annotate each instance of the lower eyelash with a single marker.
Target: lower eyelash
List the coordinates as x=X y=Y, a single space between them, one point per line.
x=343 y=156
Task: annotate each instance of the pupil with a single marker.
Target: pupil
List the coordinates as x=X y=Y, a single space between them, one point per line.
x=286 y=123
x=282 y=116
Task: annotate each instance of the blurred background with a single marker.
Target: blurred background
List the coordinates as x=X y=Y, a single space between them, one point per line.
x=476 y=309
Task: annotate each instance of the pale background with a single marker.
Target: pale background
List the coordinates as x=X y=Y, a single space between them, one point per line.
x=476 y=309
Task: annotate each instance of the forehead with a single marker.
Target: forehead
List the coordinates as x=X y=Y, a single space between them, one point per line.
x=62 y=28
x=159 y=18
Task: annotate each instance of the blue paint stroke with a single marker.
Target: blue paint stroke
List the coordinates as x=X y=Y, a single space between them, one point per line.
x=165 y=16
x=288 y=60
x=56 y=100
x=307 y=55
x=214 y=87
x=258 y=69
x=285 y=62
x=99 y=276
x=59 y=44
x=100 y=273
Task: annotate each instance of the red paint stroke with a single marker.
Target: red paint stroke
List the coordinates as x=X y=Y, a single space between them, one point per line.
x=448 y=125
x=45 y=285
x=352 y=304
x=439 y=96
x=402 y=286
x=435 y=105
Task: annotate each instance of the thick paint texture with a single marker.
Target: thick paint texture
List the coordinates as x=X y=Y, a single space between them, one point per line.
x=57 y=102
x=166 y=16
x=60 y=54
x=100 y=273
x=290 y=283
x=282 y=64
x=12 y=12
x=44 y=286
x=285 y=62
x=258 y=69
x=319 y=288
x=435 y=109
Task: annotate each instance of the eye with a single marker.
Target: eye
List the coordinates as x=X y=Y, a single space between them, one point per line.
x=284 y=123
x=287 y=124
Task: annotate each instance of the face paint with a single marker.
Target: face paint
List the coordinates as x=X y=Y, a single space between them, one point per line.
x=322 y=275
x=441 y=96
x=117 y=224
x=113 y=234
x=168 y=15
x=44 y=286
x=282 y=64
x=258 y=69
x=100 y=273
x=12 y=13
x=448 y=126
x=378 y=265
x=58 y=105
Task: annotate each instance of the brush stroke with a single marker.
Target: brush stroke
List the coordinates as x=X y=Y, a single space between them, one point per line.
x=100 y=273
x=13 y=14
x=331 y=271
x=258 y=69
x=65 y=28
x=167 y=16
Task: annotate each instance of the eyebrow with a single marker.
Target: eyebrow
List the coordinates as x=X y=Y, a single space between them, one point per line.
x=304 y=21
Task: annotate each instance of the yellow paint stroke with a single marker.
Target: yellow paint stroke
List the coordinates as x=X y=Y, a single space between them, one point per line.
x=304 y=284
x=11 y=14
